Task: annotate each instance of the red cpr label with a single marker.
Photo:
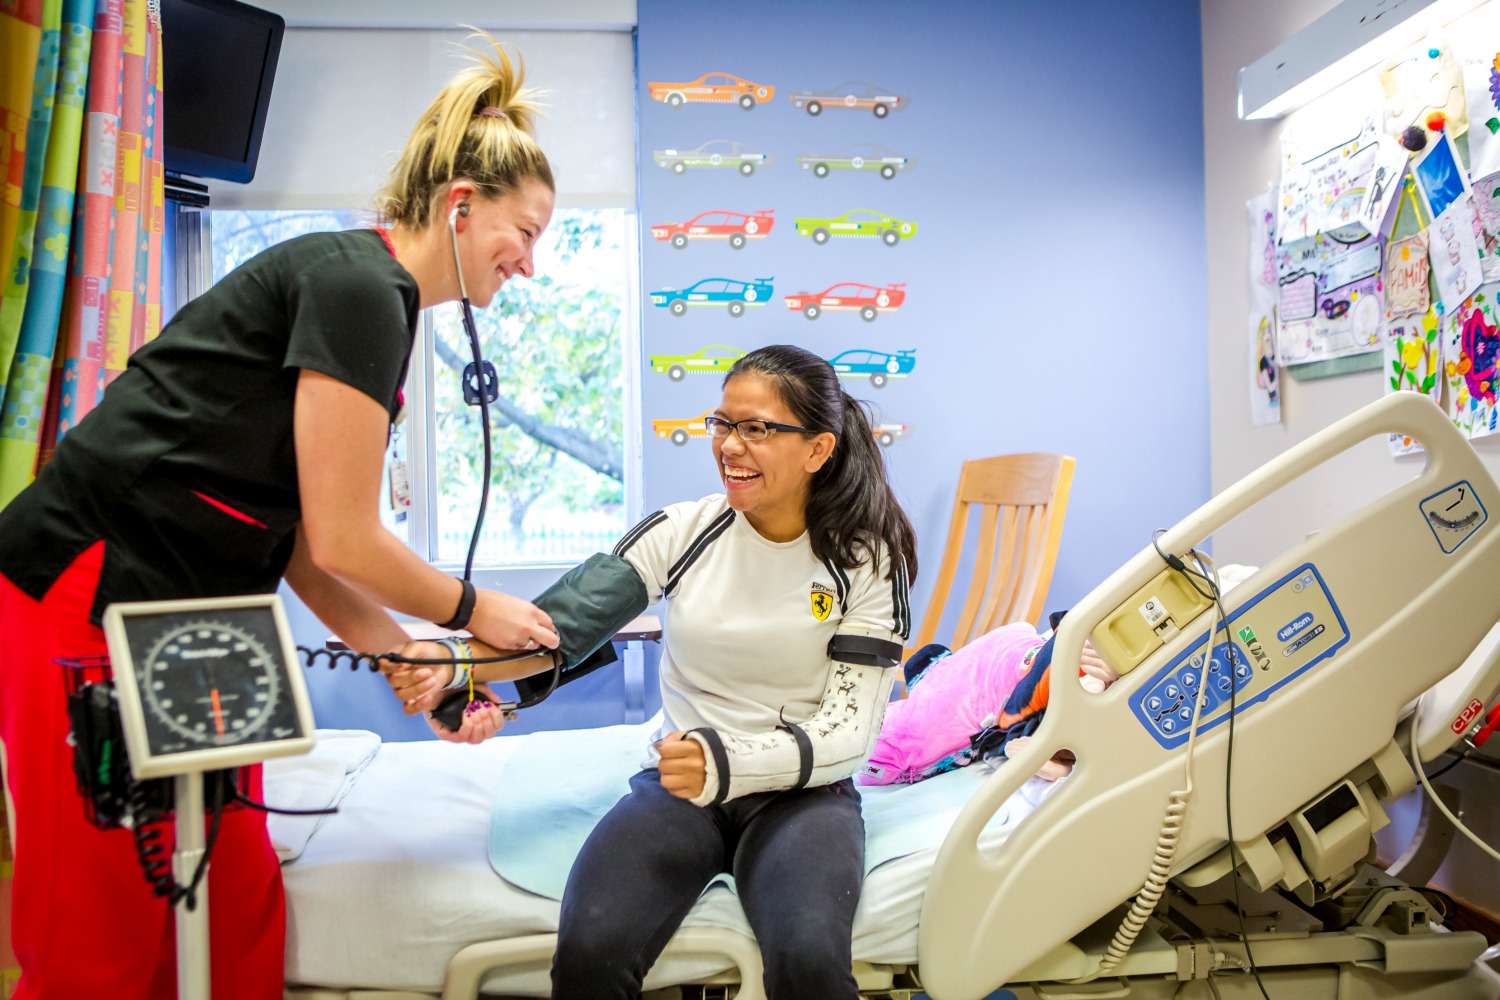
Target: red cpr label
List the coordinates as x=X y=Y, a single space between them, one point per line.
x=1467 y=716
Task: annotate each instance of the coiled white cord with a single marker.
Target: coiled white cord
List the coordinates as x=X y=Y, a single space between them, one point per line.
x=1171 y=826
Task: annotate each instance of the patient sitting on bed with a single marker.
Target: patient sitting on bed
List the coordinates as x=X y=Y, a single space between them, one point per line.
x=786 y=608
x=980 y=702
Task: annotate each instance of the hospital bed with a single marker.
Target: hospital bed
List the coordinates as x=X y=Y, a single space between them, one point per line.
x=1369 y=640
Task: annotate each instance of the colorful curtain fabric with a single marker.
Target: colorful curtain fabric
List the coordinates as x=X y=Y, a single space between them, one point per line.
x=78 y=327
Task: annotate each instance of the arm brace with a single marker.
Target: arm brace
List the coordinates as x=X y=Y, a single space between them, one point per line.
x=840 y=736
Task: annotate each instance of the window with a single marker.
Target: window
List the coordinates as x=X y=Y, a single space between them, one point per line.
x=558 y=343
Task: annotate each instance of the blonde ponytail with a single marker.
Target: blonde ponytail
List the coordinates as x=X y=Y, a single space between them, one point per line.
x=480 y=128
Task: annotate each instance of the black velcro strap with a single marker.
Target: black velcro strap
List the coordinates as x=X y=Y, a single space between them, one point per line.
x=804 y=752
x=864 y=650
x=721 y=760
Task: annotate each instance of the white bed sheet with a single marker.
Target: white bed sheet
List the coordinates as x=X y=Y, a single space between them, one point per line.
x=389 y=889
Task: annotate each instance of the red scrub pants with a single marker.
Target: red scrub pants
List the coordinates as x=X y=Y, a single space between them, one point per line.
x=84 y=921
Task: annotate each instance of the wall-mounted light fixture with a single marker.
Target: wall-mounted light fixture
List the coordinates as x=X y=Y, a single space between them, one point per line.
x=1350 y=39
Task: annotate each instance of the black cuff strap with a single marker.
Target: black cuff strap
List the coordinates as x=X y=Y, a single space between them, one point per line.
x=465 y=610
x=864 y=650
x=804 y=752
x=721 y=760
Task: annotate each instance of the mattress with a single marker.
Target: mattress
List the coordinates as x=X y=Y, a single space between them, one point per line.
x=382 y=894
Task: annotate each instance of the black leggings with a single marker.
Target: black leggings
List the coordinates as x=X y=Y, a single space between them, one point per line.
x=797 y=858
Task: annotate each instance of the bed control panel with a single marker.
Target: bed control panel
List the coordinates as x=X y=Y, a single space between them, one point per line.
x=1277 y=635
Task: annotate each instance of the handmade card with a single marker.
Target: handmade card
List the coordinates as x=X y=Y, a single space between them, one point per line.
x=1330 y=302
x=1406 y=270
x=1413 y=357
x=1454 y=252
x=1471 y=343
x=1384 y=185
x=1265 y=394
x=1327 y=159
x=1440 y=175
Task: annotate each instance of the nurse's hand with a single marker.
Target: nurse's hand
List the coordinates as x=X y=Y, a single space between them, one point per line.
x=683 y=769
x=482 y=719
x=419 y=688
x=507 y=622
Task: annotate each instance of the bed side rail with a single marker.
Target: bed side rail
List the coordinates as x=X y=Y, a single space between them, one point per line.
x=1331 y=642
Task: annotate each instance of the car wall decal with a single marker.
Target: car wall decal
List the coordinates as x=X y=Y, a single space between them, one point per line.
x=716 y=154
x=713 y=358
x=851 y=96
x=732 y=294
x=861 y=157
x=877 y=366
x=857 y=222
x=680 y=430
x=735 y=228
x=869 y=301
x=711 y=88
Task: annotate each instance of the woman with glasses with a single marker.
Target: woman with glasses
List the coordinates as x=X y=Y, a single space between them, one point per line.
x=786 y=608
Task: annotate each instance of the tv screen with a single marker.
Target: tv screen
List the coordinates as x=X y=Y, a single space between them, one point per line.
x=218 y=61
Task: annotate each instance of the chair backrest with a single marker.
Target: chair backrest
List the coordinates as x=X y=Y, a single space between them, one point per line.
x=1022 y=500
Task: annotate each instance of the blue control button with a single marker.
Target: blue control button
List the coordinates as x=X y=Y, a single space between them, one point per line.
x=1168 y=726
x=1153 y=704
x=1189 y=680
x=1223 y=684
x=1173 y=692
x=1186 y=714
x=1243 y=671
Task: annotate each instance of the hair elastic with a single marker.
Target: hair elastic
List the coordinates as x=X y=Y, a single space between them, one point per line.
x=494 y=112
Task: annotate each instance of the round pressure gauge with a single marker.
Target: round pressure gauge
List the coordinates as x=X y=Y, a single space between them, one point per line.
x=206 y=684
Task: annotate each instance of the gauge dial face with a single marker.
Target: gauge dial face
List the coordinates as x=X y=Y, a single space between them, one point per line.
x=210 y=680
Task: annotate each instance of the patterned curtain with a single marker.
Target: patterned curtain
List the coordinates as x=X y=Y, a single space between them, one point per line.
x=82 y=281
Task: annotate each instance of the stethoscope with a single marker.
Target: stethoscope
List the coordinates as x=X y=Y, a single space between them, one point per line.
x=481 y=385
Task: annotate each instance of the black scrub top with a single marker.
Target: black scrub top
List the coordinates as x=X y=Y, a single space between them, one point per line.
x=187 y=469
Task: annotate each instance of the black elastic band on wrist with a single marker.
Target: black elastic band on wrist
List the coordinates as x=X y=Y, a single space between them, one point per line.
x=804 y=752
x=465 y=609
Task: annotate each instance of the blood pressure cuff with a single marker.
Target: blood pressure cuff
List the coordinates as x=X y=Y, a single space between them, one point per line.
x=592 y=601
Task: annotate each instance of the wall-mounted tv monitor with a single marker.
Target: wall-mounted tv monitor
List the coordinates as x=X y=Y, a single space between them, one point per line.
x=218 y=61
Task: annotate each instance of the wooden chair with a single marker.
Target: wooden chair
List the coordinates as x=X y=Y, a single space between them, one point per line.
x=1022 y=500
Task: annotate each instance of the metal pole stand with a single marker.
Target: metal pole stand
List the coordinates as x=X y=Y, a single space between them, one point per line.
x=192 y=924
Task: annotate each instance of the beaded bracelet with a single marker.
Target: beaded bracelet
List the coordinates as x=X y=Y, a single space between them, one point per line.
x=462 y=671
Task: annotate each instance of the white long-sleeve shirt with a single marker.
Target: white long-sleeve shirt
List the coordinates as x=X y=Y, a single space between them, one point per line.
x=776 y=662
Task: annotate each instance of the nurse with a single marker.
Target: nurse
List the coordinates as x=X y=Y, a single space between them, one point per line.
x=243 y=446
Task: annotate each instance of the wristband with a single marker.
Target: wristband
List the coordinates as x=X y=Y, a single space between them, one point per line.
x=465 y=610
x=461 y=671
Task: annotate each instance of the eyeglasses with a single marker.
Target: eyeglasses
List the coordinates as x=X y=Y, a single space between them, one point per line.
x=748 y=430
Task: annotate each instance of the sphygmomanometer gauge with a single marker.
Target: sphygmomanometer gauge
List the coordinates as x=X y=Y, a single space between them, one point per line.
x=212 y=683
x=207 y=684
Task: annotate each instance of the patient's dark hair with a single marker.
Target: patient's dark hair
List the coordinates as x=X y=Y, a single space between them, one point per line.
x=850 y=501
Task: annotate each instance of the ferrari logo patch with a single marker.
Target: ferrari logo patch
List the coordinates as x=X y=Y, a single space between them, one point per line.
x=822 y=603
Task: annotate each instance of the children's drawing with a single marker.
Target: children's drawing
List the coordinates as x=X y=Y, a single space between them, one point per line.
x=1424 y=86
x=1480 y=30
x=1327 y=161
x=713 y=358
x=1384 y=185
x=1454 y=252
x=1440 y=175
x=1406 y=268
x=1469 y=352
x=1343 y=282
x=1413 y=359
x=712 y=88
x=735 y=228
x=1487 y=205
x=715 y=154
x=1265 y=391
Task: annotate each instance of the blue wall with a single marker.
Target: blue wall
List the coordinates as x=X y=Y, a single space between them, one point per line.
x=1055 y=287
